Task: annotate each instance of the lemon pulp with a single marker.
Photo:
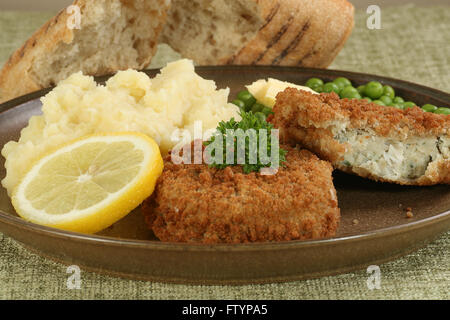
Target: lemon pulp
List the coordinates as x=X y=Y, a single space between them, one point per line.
x=91 y=183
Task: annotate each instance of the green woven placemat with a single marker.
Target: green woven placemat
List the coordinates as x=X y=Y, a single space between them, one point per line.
x=413 y=44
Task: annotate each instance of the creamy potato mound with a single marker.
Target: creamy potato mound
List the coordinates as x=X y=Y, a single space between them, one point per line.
x=130 y=101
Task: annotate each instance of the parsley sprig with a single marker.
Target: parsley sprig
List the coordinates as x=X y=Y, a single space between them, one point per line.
x=249 y=121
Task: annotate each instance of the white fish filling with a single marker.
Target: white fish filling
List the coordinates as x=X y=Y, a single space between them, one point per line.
x=391 y=159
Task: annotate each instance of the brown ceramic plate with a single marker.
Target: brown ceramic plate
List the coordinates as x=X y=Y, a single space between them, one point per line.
x=129 y=249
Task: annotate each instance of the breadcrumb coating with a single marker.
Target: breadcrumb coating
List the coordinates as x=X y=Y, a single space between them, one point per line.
x=300 y=108
x=197 y=203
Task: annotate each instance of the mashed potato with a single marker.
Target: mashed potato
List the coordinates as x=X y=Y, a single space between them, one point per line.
x=130 y=101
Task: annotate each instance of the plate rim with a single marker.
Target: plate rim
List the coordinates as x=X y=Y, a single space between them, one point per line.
x=10 y=104
x=159 y=245
x=174 y=246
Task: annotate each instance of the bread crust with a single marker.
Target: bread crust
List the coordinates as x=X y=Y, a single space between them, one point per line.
x=16 y=78
x=307 y=33
x=298 y=33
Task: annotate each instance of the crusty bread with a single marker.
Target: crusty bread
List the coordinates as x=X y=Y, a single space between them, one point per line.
x=121 y=34
x=306 y=33
x=114 y=35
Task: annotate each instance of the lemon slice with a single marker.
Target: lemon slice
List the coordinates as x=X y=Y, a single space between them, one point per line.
x=90 y=183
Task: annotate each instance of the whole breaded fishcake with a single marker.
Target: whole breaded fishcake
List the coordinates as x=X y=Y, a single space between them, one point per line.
x=197 y=203
x=408 y=147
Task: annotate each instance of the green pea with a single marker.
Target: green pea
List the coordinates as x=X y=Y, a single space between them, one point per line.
x=386 y=100
x=342 y=82
x=350 y=93
x=257 y=107
x=248 y=99
x=374 y=90
x=361 y=89
x=331 y=87
x=445 y=111
x=267 y=111
x=398 y=100
x=367 y=98
x=317 y=88
x=429 y=108
x=261 y=116
x=379 y=102
x=239 y=103
x=314 y=82
x=389 y=91
x=398 y=106
x=408 y=105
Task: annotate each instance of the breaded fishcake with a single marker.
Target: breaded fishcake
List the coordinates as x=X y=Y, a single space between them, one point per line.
x=409 y=147
x=197 y=203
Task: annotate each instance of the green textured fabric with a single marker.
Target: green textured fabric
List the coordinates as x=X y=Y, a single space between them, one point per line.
x=413 y=44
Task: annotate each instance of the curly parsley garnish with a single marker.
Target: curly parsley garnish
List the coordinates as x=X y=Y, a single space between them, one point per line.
x=251 y=142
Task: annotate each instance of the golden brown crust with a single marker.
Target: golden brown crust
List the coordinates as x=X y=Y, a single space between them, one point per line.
x=196 y=203
x=308 y=119
x=304 y=109
x=298 y=33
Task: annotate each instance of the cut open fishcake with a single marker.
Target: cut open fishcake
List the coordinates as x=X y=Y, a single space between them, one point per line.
x=408 y=147
x=112 y=35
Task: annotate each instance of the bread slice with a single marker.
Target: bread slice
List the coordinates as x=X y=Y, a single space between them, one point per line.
x=114 y=35
x=306 y=33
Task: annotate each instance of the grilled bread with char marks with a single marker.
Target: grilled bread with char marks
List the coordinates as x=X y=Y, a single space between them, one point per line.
x=122 y=34
x=261 y=32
